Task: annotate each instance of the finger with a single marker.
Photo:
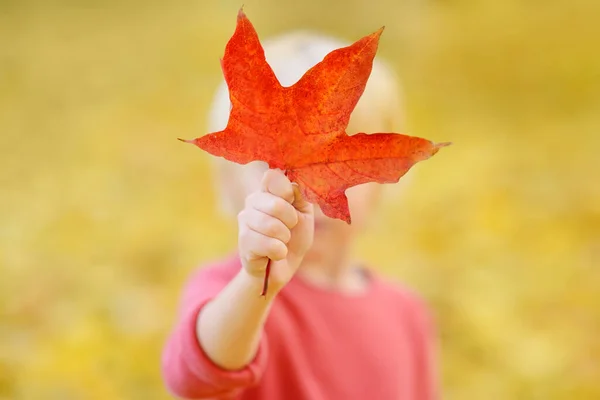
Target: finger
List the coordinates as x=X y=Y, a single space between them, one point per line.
x=276 y=183
x=267 y=225
x=300 y=203
x=273 y=206
x=255 y=245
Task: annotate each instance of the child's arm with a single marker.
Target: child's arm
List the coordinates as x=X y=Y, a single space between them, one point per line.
x=217 y=348
x=277 y=224
x=229 y=327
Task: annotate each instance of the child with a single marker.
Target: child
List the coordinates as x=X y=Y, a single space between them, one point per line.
x=329 y=329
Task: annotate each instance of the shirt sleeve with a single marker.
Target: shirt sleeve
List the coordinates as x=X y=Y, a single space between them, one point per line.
x=187 y=371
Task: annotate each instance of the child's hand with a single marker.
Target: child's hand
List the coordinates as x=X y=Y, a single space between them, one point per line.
x=278 y=224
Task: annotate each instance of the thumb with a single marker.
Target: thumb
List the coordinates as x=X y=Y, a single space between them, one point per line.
x=300 y=202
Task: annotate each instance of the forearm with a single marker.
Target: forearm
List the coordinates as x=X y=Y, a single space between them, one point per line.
x=230 y=326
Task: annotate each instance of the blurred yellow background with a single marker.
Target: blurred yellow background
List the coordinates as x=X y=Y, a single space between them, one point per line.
x=103 y=213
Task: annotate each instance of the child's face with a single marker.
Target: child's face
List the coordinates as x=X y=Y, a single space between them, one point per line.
x=379 y=110
x=333 y=237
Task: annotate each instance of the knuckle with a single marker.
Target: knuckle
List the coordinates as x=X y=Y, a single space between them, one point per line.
x=270 y=226
x=274 y=206
x=288 y=192
x=293 y=218
x=285 y=235
x=250 y=200
x=283 y=212
x=277 y=250
x=260 y=247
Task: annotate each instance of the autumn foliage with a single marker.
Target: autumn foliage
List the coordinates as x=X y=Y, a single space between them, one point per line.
x=301 y=129
x=103 y=215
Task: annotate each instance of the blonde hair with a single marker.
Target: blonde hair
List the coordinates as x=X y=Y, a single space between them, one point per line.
x=290 y=56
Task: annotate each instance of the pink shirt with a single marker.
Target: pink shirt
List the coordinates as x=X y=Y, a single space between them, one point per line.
x=317 y=345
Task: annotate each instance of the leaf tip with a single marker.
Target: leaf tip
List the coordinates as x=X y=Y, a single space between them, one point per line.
x=378 y=32
x=193 y=141
x=347 y=218
x=241 y=14
x=438 y=146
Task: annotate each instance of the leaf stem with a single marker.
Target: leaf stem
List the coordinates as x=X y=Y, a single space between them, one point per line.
x=266 y=281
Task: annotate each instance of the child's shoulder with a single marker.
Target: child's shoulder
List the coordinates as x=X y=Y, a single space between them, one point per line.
x=404 y=298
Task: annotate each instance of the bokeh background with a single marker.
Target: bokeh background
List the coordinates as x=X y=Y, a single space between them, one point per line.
x=103 y=214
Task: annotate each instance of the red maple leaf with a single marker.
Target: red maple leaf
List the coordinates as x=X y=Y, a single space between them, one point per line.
x=301 y=129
